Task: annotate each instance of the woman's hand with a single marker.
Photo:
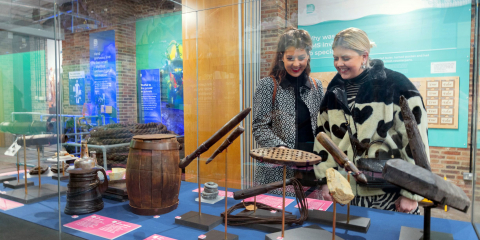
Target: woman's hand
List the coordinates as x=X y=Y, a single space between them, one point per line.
x=405 y=205
x=326 y=193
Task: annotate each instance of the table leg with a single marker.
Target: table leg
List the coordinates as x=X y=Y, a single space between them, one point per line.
x=25 y=163
x=226 y=193
x=39 y=172
x=334 y=218
x=18 y=167
x=348 y=206
x=199 y=189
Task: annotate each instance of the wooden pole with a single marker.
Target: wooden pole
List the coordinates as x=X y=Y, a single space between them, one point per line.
x=199 y=189
x=334 y=218
x=226 y=193
x=18 y=167
x=39 y=172
x=283 y=205
x=348 y=205
x=25 y=163
x=63 y=168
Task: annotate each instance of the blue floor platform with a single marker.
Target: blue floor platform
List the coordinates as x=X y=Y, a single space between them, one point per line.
x=385 y=225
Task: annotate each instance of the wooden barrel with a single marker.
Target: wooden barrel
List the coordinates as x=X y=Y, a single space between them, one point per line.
x=85 y=190
x=153 y=176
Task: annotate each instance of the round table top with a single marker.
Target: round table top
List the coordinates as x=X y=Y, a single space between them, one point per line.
x=285 y=156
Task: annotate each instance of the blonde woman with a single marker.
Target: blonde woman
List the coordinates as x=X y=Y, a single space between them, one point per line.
x=361 y=114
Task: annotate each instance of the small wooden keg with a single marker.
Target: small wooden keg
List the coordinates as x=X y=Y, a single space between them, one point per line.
x=85 y=190
x=153 y=176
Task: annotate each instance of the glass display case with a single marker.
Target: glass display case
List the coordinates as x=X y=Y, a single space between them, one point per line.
x=129 y=119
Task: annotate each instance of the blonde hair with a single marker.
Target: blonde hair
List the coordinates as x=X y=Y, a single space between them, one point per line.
x=354 y=39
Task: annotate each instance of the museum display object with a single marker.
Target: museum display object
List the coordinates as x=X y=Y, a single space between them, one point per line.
x=346 y=221
x=85 y=189
x=414 y=138
x=215 y=137
x=210 y=190
x=152 y=175
x=264 y=217
x=198 y=219
x=214 y=234
x=340 y=157
x=287 y=157
x=341 y=192
x=429 y=185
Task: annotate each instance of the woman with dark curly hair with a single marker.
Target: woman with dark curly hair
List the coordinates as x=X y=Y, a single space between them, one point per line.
x=286 y=104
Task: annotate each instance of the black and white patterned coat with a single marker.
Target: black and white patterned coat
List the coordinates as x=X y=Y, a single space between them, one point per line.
x=376 y=116
x=276 y=126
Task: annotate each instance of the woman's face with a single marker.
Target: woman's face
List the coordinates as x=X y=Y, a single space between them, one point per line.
x=295 y=61
x=348 y=62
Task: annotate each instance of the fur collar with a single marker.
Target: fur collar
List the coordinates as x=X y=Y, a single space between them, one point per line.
x=376 y=73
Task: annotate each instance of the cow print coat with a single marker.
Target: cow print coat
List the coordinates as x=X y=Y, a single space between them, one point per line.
x=375 y=116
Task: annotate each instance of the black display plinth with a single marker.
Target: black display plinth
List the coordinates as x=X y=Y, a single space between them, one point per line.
x=62 y=177
x=408 y=233
x=356 y=223
x=115 y=197
x=35 y=194
x=117 y=190
x=265 y=214
x=17 y=185
x=310 y=232
x=7 y=178
x=204 y=222
x=218 y=235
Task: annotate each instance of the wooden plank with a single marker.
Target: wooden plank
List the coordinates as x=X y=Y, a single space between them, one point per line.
x=218 y=80
x=146 y=179
x=133 y=177
x=158 y=190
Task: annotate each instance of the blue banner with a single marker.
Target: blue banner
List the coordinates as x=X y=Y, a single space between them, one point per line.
x=150 y=95
x=103 y=73
x=76 y=87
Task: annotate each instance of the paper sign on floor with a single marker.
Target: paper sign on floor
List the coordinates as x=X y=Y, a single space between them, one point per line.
x=158 y=237
x=101 y=226
x=221 y=193
x=316 y=204
x=271 y=201
x=7 y=204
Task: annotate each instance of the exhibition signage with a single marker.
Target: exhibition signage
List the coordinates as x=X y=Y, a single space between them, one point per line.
x=103 y=72
x=317 y=204
x=7 y=204
x=150 y=95
x=419 y=38
x=158 y=237
x=102 y=226
x=76 y=87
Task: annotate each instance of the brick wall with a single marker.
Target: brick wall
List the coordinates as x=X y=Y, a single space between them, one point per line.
x=120 y=16
x=446 y=162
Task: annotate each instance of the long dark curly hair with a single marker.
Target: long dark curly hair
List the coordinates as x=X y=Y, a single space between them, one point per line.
x=292 y=37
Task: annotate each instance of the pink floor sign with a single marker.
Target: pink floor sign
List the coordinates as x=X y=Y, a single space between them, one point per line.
x=221 y=193
x=158 y=237
x=102 y=226
x=271 y=201
x=7 y=204
x=316 y=204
